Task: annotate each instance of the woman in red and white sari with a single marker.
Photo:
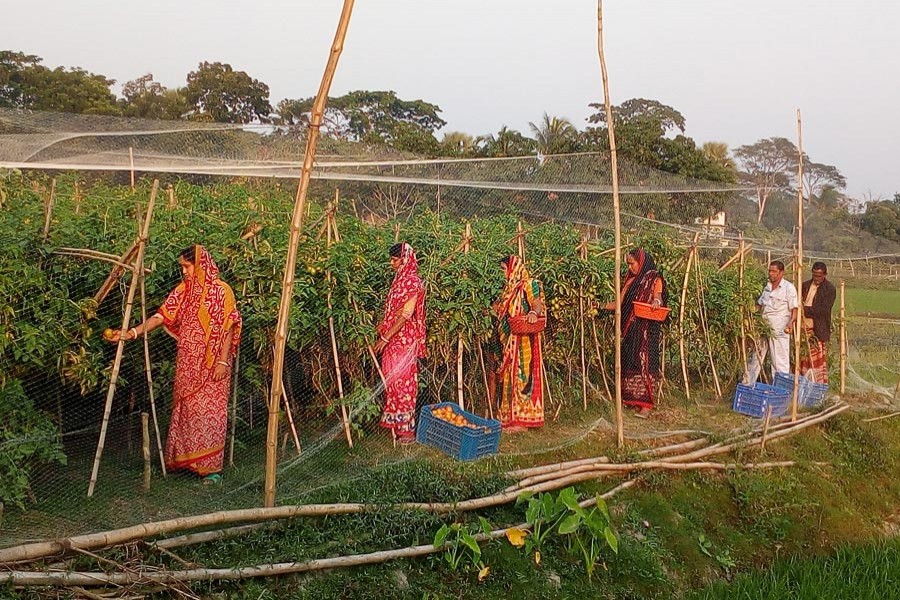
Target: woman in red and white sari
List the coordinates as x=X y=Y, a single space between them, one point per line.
x=201 y=314
x=401 y=342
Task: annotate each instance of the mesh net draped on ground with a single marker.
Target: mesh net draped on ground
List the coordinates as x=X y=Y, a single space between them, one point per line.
x=50 y=327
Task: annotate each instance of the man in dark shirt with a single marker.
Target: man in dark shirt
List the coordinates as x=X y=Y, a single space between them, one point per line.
x=818 y=299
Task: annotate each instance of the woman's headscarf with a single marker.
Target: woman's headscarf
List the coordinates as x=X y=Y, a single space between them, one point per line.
x=517 y=278
x=212 y=299
x=405 y=284
x=639 y=288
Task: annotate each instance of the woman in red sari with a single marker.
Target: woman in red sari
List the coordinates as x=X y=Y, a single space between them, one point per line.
x=201 y=314
x=520 y=373
x=401 y=342
x=640 y=337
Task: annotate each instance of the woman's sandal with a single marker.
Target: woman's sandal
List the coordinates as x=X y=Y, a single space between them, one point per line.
x=212 y=479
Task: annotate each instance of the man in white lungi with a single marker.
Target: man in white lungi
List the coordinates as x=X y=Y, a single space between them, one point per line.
x=779 y=303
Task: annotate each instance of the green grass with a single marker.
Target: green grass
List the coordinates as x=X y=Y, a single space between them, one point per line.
x=861 y=573
x=874 y=302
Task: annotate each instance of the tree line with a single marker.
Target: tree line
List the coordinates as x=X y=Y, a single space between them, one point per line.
x=648 y=133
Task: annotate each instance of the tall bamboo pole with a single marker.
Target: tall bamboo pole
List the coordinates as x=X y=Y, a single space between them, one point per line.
x=146 y=343
x=798 y=275
x=145 y=449
x=741 y=295
x=520 y=240
x=704 y=323
x=131 y=164
x=467 y=237
x=614 y=166
x=583 y=247
x=843 y=342
x=120 y=347
x=287 y=286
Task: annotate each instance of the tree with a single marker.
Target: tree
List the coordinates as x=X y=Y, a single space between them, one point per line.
x=768 y=165
x=507 y=142
x=217 y=92
x=373 y=117
x=554 y=135
x=13 y=87
x=641 y=109
x=145 y=98
x=818 y=177
x=718 y=153
x=25 y=83
x=457 y=143
x=882 y=218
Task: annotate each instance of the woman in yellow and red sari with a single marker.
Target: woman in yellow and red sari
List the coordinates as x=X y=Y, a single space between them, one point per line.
x=201 y=314
x=401 y=342
x=640 y=337
x=520 y=374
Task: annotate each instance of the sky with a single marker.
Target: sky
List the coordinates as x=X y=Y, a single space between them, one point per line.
x=737 y=70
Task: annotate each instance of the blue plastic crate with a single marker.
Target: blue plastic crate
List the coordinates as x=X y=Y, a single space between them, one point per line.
x=462 y=443
x=755 y=400
x=809 y=393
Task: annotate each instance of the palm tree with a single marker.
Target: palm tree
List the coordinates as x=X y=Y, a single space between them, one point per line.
x=554 y=135
x=507 y=142
x=718 y=153
x=457 y=143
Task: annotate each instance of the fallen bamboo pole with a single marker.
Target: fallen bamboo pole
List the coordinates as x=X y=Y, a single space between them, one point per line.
x=26 y=578
x=888 y=416
x=120 y=346
x=614 y=172
x=287 y=287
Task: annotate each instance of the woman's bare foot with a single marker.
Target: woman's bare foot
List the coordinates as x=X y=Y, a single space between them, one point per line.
x=643 y=413
x=514 y=429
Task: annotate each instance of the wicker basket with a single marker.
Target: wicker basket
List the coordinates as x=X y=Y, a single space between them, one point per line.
x=520 y=325
x=642 y=310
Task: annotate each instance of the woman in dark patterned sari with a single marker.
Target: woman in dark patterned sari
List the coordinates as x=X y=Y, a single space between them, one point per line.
x=640 y=337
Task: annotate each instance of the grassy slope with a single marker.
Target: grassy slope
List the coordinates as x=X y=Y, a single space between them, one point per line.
x=678 y=532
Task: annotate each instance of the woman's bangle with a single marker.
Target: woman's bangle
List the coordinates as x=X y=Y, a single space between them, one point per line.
x=134 y=332
x=383 y=339
x=223 y=363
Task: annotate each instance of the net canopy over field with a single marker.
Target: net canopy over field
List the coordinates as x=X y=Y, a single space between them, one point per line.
x=68 y=217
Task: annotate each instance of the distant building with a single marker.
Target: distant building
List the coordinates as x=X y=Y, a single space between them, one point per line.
x=713 y=227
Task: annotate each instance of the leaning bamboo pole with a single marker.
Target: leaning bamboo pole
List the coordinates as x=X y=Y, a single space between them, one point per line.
x=139 y=272
x=681 y=311
x=583 y=252
x=614 y=166
x=704 y=323
x=843 y=342
x=287 y=287
x=741 y=296
x=120 y=347
x=331 y=233
x=48 y=211
x=798 y=274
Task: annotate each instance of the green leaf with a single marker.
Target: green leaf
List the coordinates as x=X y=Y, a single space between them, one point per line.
x=570 y=524
x=611 y=539
x=441 y=536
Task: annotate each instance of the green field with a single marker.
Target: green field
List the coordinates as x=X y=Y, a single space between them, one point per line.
x=882 y=302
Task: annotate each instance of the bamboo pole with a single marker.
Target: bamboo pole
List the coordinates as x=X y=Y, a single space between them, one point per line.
x=487 y=385
x=681 y=311
x=583 y=251
x=614 y=166
x=331 y=227
x=798 y=274
x=701 y=301
x=741 y=295
x=170 y=191
x=145 y=449
x=287 y=287
x=48 y=211
x=124 y=263
x=765 y=432
x=150 y=394
x=467 y=238
x=601 y=360
x=131 y=163
x=120 y=347
x=290 y=418
x=234 y=394
x=843 y=342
